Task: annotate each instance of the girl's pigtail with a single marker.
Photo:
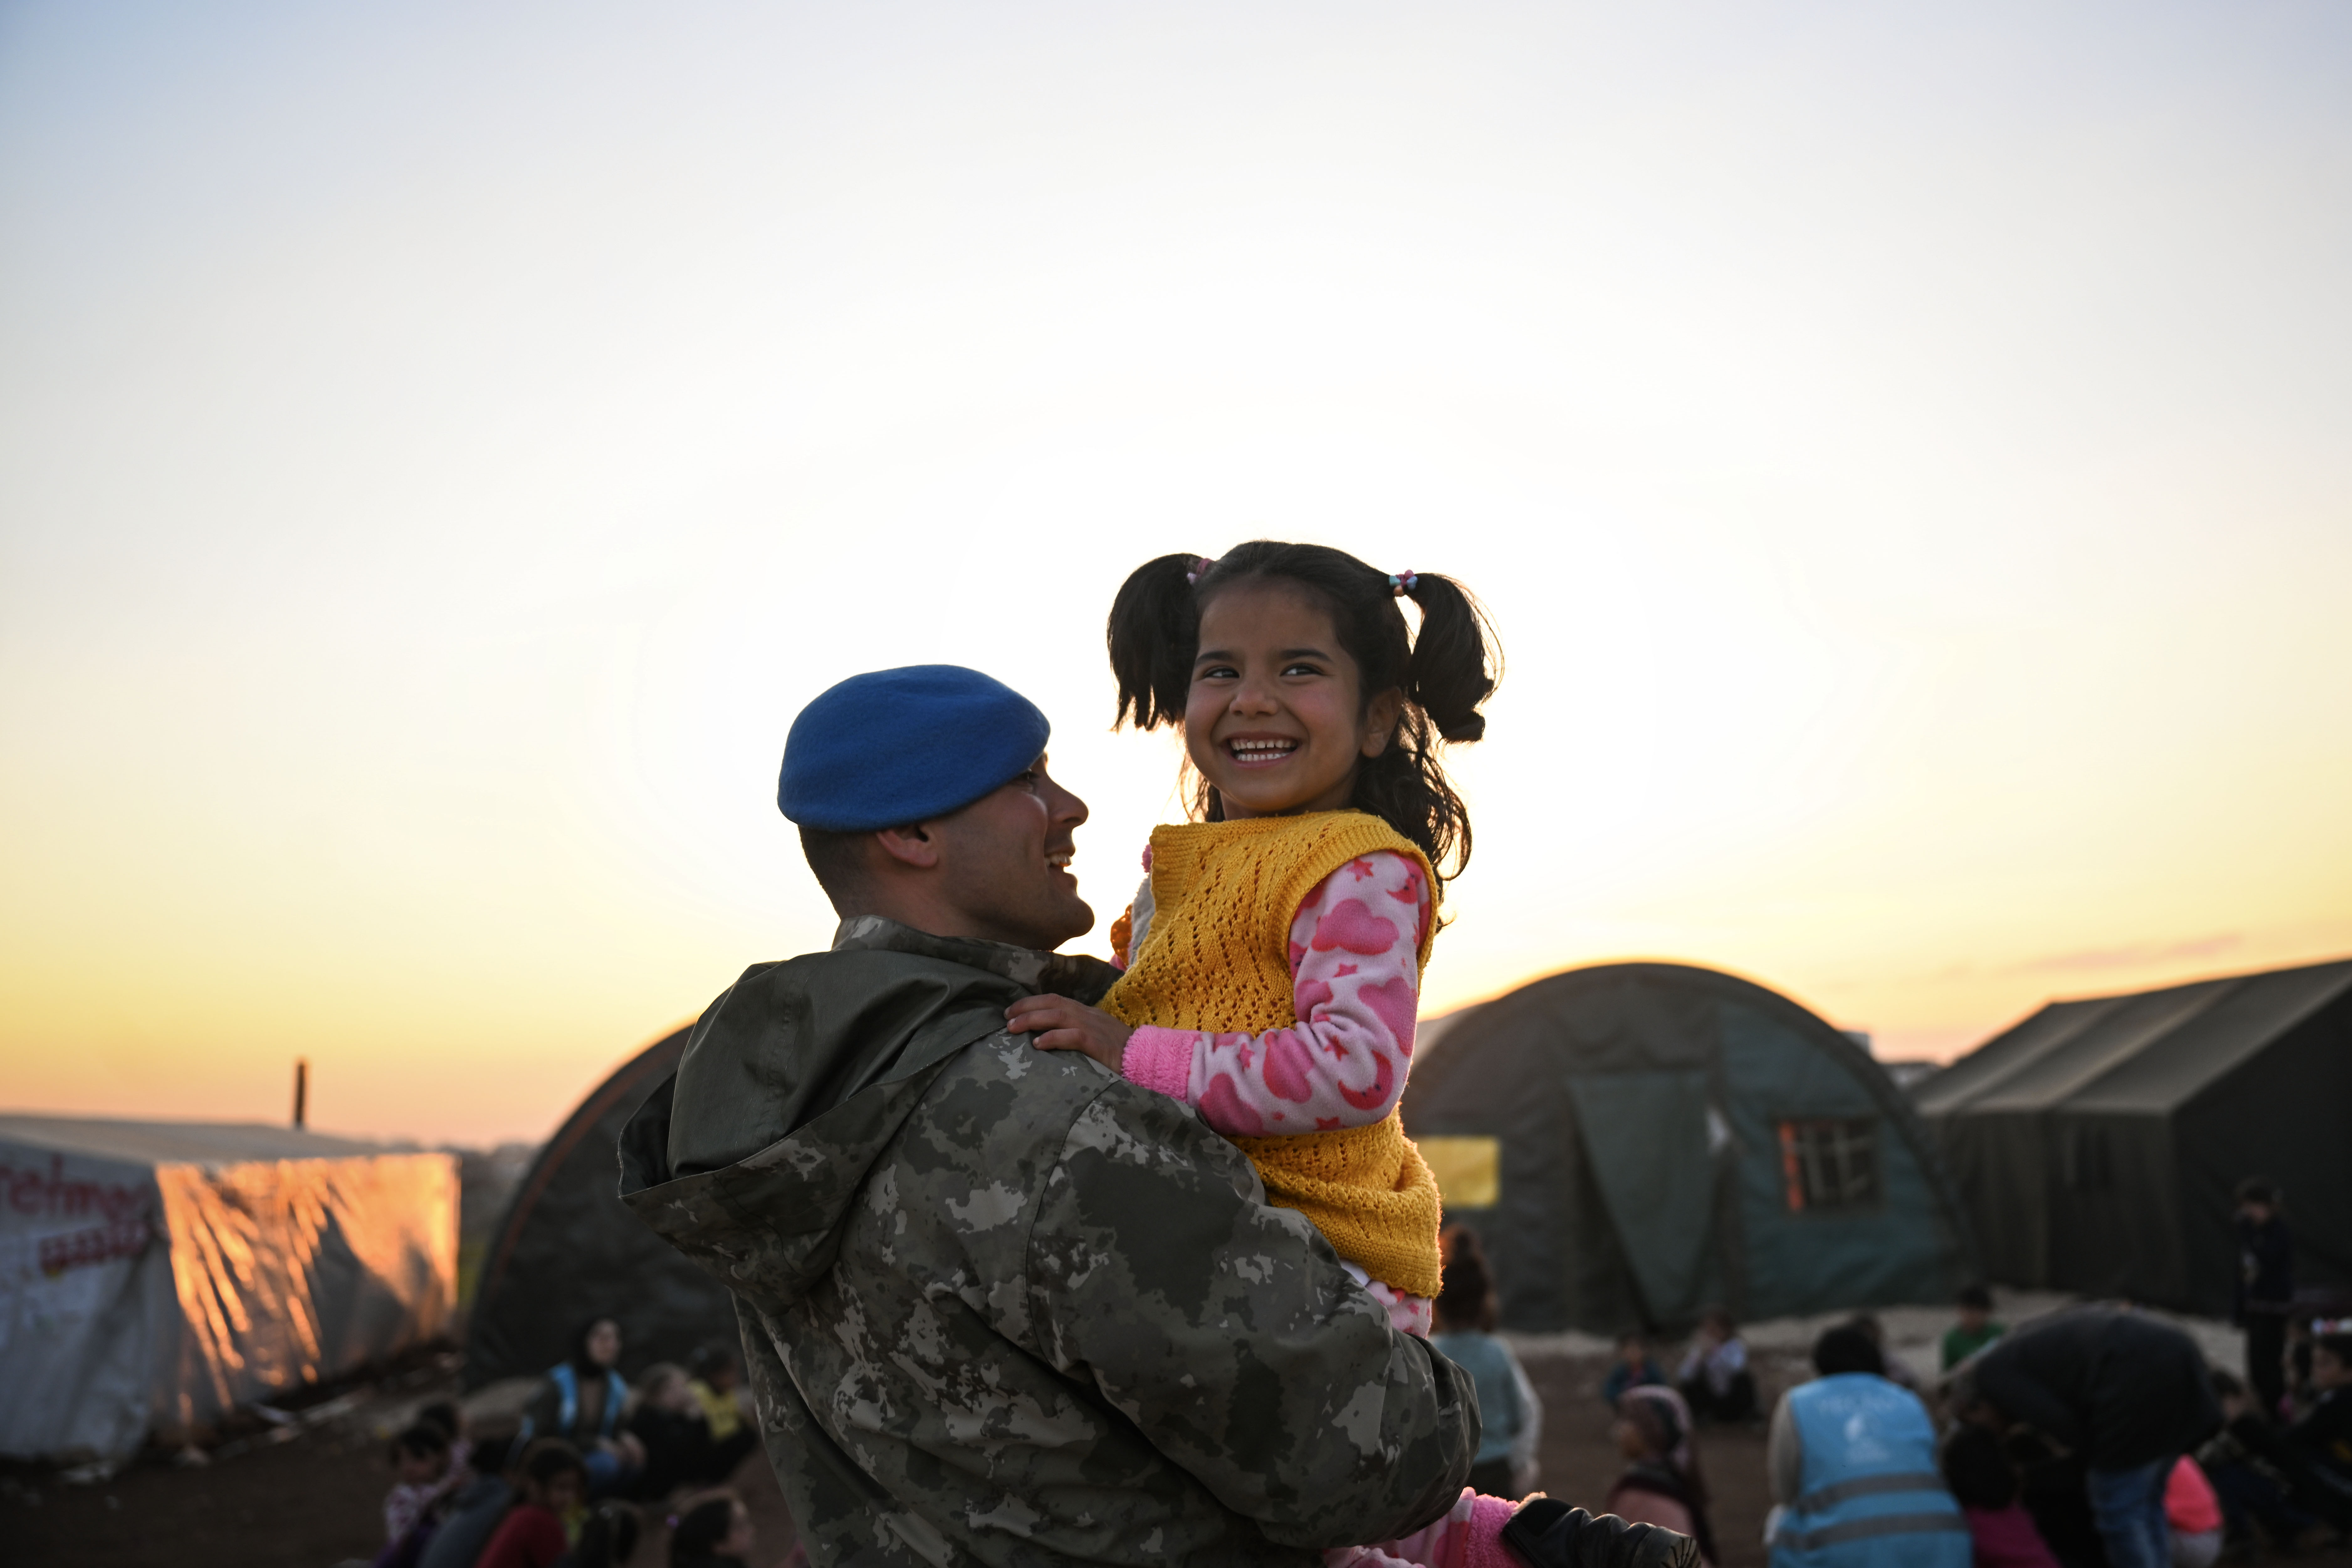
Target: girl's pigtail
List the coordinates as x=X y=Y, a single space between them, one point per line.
x=1455 y=660
x=1154 y=625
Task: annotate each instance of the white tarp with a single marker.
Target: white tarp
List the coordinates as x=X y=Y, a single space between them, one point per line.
x=154 y=1276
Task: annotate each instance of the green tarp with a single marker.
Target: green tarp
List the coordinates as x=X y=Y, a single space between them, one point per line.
x=1648 y=1139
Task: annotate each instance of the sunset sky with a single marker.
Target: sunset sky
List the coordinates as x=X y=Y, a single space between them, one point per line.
x=1908 y=451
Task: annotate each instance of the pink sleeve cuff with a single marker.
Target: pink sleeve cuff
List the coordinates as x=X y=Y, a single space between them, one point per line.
x=1160 y=1060
x=1485 y=1534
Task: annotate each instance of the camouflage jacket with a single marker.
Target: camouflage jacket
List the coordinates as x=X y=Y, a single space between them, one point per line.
x=1000 y=1306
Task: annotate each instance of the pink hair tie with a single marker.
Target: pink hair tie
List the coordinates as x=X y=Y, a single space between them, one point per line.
x=1402 y=583
x=1201 y=564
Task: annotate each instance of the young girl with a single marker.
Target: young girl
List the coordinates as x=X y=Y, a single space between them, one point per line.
x=1274 y=978
x=1274 y=957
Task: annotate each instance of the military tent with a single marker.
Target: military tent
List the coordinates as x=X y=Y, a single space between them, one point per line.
x=1635 y=1140
x=567 y=1250
x=2095 y=1144
x=154 y=1276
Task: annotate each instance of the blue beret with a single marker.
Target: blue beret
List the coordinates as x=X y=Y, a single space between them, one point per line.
x=896 y=746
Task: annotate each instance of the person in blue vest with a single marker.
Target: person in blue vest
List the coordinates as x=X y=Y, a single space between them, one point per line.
x=582 y=1403
x=1852 y=1464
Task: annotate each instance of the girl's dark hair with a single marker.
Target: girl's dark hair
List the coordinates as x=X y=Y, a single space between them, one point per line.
x=1444 y=674
x=702 y=1525
x=1465 y=1295
x=421 y=1438
x=1978 y=1470
x=581 y=1360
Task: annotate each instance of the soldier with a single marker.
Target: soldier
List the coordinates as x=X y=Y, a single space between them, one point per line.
x=1001 y=1305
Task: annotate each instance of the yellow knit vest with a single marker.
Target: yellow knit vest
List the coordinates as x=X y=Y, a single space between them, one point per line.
x=1217 y=957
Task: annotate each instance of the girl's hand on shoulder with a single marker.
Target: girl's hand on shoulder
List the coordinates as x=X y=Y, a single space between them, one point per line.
x=1059 y=1024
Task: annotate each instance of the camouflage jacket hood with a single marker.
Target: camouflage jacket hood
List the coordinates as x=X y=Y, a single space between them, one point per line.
x=842 y=1043
x=1001 y=1306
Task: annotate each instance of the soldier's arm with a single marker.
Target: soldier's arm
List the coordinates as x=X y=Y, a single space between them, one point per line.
x=1228 y=1333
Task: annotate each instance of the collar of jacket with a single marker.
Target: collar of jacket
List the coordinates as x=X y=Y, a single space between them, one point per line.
x=1061 y=974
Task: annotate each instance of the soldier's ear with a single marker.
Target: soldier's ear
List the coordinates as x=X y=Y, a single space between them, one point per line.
x=912 y=845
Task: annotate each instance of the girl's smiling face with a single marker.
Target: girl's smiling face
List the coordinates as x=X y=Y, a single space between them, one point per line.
x=1277 y=720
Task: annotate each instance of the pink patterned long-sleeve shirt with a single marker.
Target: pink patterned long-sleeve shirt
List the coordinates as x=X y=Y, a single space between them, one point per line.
x=1354 y=977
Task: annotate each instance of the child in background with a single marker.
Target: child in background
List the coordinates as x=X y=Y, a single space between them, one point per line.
x=2193 y=1514
x=1985 y=1485
x=474 y=1510
x=1974 y=1330
x=420 y=1461
x=1660 y=1484
x=1512 y=1415
x=1714 y=1379
x=718 y=1380
x=1632 y=1369
x=712 y=1530
x=551 y=1483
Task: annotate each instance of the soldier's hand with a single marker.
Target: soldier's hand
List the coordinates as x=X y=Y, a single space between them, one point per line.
x=1547 y=1534
x=1059 y=1024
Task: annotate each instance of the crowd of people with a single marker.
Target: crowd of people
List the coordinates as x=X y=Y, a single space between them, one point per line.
x=572 y=1487
x=2095 y=1436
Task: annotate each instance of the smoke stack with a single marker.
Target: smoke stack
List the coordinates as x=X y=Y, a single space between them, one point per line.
x=301 y=1091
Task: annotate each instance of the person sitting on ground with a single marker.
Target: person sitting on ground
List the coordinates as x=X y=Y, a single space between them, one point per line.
x=583 y=1401
x=608 y=1538
x=1660 y=1484
x=716 y=1386
x=1852 y=1458
x=2324 y=1431
x=423 y=1477
x=1511 y=1414
x=2250 y=1490
x=1984 y=1483
x=668 y=1422
x=2194 y=1515
x=474 y=1511
x=1715 y=1380
x=711 y=1529
x=2125 y=1393
x=1633 y=1368
x=1976 y=1327
x=551 y=1482
x=2313 y=1457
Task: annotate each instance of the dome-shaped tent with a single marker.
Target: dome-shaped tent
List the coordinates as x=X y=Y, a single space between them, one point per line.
x=567 y=1249
x=1634 y=1140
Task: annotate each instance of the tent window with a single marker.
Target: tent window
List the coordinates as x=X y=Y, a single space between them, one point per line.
x=1829 y=1166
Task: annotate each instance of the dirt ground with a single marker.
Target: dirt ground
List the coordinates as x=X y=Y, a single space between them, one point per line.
x=312 y=1499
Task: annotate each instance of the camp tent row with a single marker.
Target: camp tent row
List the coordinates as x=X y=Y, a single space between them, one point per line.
x=2096 y=1144
x=1635 y=1142
x=154 y=1276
